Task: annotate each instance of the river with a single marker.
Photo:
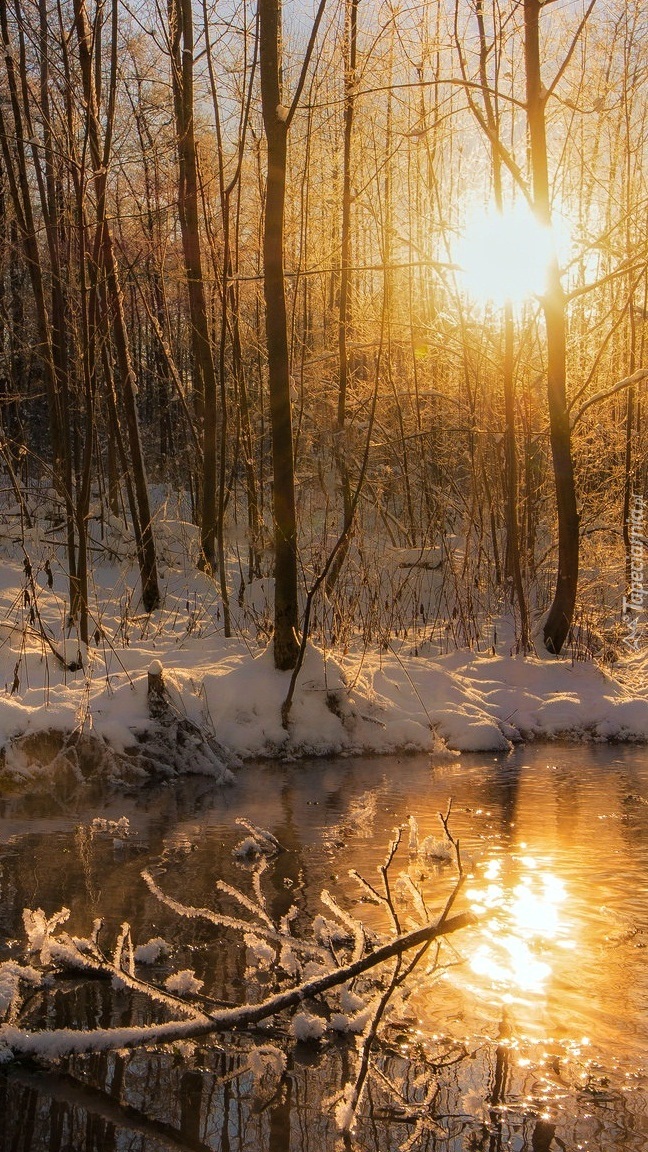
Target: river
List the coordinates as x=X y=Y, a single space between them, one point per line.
x=528 y=1032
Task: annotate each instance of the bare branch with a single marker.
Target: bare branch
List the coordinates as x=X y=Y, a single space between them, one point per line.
x=65 y=1041
x=627 y=382
x=572 y=48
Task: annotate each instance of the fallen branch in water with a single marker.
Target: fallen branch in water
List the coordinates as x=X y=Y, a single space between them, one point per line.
x=65 y=1041
x=66 y=953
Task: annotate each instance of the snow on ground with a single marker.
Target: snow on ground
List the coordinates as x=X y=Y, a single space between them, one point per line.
x=367 y=701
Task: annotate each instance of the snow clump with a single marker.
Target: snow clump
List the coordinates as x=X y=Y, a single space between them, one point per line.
x=304 y=1026
x=183 y=983
x=152 y=951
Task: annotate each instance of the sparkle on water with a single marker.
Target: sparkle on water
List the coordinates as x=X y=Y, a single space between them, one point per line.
x=522 y=918
x=536 y=1015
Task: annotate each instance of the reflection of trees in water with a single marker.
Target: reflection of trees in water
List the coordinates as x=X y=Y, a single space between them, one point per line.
x=280 y=1113
x=154 y=1102
x=539 y=1131
x=567 y=803
x=166 y=1106
x=498 y=1086
x=633 y=811
x=506 y=795
x=289 y=876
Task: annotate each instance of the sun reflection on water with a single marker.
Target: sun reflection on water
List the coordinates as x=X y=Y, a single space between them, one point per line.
x=523 y=926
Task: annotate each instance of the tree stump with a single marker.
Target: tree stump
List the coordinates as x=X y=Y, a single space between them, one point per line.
x=156 y=692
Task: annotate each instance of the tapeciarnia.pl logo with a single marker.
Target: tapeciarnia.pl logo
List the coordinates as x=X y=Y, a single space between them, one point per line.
x=633 y=604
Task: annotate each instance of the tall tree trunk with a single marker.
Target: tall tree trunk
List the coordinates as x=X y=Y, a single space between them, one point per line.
x=116 y=321
x=205 y=382
x=510 y=439
x=76 y=501
x=344 y=314
x=286 y=611
x=561 y=613
x=629 y=463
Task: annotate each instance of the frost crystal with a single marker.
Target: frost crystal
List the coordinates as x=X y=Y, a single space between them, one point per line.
x=151 y=951
x=437 y=849
x=268 y=1064
x=260 y=842
x=246 y=849
x=183 y=983
x=39 y=930
x=350 y=1001
x=119 y=829
x=305 y=1026
x=327 y=932
x=259 y=953
x=11 y=974
x=288 y=961
x=345 y=1109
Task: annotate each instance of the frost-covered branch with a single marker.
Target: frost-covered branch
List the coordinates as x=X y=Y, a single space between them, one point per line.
x=188 y=911
x=64 y=1041
x=271 y=945
x=621 y=386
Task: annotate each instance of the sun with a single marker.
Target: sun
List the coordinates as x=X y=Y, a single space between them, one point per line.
x=503 y=257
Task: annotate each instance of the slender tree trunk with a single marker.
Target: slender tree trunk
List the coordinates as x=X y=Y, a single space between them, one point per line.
x=77 y=496
x=510 y=455
x=286 y=610
x=561 y=613
x=512 y=525
x=628 y=470
x=205 y=383
x=116 y=320
x=344 y=314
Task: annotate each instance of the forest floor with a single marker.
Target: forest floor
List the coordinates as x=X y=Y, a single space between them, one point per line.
x=222 y=696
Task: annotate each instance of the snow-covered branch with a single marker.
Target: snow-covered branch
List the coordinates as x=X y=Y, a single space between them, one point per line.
x=636 y=378
x=64 y=1041
x=343 y=951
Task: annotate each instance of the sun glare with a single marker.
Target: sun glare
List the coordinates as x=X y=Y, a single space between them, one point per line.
x=529 y=917
x=503 y=257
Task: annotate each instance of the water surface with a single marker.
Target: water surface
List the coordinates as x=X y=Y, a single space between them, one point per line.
x=531 y=1032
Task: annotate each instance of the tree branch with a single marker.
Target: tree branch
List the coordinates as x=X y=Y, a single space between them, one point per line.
x=572 y=48
x=307 y=59
x=65 y=1041
x=627 y=382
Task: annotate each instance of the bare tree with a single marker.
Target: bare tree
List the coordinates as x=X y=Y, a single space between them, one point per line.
x=277 y=117
x=100 y=155
x=181 y=34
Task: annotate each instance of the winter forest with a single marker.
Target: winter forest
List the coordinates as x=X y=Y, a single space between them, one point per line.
x=362 y=291
x=323 y=360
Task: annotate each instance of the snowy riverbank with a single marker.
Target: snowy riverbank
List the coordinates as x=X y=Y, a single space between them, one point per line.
x=227 y=689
